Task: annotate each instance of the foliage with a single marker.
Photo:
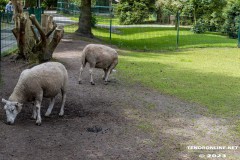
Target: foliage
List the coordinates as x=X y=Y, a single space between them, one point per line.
x=49 y=3
x=210 y=11
x=3 y=3
x=199 y=27
x=78 y=2
x=134 y=11
x=232 y=16
x=31 y=3
x=93 y=20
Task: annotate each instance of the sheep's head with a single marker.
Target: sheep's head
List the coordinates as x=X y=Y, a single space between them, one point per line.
x=12 y=109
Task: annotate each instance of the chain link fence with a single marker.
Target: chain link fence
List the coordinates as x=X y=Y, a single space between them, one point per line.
x=8 y=41
x=149 y=36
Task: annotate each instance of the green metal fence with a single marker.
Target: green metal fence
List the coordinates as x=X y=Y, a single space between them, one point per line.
x=8 y=42
x=71 y=8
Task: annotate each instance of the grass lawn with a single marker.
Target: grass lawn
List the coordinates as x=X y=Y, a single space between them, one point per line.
x=208 y=76
x=205 y=70
x=156 y=39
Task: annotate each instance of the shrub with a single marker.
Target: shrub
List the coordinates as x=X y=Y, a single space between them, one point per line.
x=3 y=3
x=132 y=13
x=93 y=20
x=232 y=16
x=199 y=27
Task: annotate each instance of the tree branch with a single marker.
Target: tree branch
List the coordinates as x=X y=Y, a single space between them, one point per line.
x=40 y=30
x=34 y=34
x=53 y=28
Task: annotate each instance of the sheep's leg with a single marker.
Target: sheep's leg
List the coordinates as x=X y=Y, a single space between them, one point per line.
x=105 y=73
x=61 y=113
x=50 y=107
x=110 y=70
x=91 y=74
x=80 y=75
x=38 y=109
x=34 y=113
x=38 y=102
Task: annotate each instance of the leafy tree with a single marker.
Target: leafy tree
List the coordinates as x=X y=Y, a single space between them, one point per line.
x=48 y=3
x=206 y=12
x=134 y=11
x=232 y=16
x=3 y=3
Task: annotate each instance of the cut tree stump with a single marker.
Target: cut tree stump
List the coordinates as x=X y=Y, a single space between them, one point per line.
x=34 y=41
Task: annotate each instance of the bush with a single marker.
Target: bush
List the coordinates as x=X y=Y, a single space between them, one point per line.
x=199 y=27
x=93 y=20
x=232 y=16
x=3 y=4
x=132 y=13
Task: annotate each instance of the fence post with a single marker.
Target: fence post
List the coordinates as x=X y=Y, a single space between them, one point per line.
x=111 y=15
x=0 y=35
x=178 y=24
x=239 y=34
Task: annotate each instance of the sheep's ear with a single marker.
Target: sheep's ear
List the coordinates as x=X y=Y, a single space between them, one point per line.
x=4 y=100
x=19 y=107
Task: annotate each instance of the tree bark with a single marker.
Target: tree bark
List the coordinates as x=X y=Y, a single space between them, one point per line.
x=84 y=25
x=30 y=45
x=159 y=16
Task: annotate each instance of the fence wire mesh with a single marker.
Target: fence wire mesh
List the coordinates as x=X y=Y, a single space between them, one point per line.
x=149 y=36
x=8 y=41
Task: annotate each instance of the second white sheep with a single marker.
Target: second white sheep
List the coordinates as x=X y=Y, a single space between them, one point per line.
x=98 y=56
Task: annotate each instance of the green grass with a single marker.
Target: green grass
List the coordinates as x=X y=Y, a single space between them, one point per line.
x=155 y=39
x=208 y=76
x=158 y=39
x=205 y=70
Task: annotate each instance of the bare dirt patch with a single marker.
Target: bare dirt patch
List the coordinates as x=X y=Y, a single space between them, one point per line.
x=120 y=120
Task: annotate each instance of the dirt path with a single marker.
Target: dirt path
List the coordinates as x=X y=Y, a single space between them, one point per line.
x=134 y=122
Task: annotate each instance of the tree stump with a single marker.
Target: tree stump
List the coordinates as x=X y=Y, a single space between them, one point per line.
x=34 y=41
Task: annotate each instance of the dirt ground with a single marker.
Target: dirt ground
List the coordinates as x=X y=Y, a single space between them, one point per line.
x=120 y=120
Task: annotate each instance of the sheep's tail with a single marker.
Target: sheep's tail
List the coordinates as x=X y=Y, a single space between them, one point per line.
x=83 y=59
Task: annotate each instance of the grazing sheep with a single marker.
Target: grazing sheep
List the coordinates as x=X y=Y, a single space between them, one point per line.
x=98 y=56
x=44 y=80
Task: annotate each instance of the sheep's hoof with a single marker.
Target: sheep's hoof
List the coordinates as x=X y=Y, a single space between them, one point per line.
x=38 y=123
x=79 y=82
x=60 y=114
x=47 y=116
x=33 y=118
x=92 y=83
x=106 y=82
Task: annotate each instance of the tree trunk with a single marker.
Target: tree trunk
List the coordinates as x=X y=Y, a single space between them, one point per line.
x=159 y=16
x=84 y=25
x=30 y=45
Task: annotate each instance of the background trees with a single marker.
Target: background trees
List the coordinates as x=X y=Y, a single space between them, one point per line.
x=134 y=11
x=232 y=18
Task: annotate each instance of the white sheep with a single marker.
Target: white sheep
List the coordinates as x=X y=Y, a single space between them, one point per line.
x=44 y=80
x=98 y=56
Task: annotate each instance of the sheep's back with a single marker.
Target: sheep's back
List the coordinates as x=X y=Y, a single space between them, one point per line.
x=100 y=55
x=49 y=77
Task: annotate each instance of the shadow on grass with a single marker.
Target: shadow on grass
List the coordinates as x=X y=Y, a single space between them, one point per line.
x=219 y=92
x=163 y=40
